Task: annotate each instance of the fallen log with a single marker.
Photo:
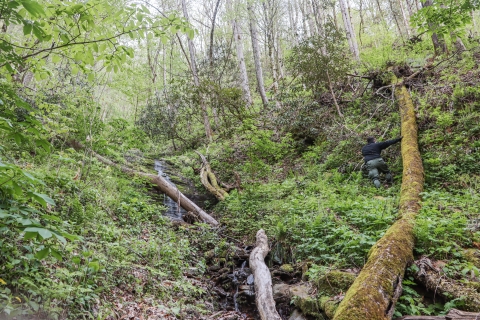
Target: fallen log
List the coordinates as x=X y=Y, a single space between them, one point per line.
x=435 y=280
x=263 y=279
x=454 y=314
x=209 y=180
x=375 y=291
x=160 y=183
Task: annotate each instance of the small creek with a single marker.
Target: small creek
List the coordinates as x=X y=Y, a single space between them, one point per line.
x=232 y=284
x=174 y=211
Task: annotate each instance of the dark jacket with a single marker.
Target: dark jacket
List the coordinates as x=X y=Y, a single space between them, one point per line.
x=372 y=150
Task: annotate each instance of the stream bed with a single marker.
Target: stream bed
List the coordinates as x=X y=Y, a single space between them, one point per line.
x=230 y=280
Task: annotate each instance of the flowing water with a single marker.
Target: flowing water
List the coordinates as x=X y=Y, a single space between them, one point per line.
x=174 y=211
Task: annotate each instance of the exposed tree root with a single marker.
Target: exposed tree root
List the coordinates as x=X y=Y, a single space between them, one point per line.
x=159 y=182
x=454 y=314
x=263 y=279
x=209 y=180
x=434 y=280
x=377 y=288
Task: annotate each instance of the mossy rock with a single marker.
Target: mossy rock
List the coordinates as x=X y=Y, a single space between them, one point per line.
x=473 y=256
x=328 y=305
x=334 y=282
x=286 y=268
x=304 y=301
x=474 y=285
x=308 y=305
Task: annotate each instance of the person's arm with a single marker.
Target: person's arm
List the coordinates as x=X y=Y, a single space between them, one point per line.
x=388 y=143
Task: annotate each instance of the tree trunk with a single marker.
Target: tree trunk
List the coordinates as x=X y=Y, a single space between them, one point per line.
x=379 y=285
x=241 y=63
x=162 y=184
x=394 y=13
x=191 y=49
x=311 y=18
x=439 y=44
x=209 y=180
x=352 y=41
x=459 y=46
x=256 y=56
x=453 y=314
x=263 y=279
x=404 y=17
x=436 y=281
x=212 y=32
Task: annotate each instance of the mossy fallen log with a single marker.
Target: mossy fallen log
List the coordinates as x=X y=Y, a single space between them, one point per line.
x=209 y=180
x=377 y=288
x=263 y=279
x=453 y=314
x=161 y=183
x=436 y=281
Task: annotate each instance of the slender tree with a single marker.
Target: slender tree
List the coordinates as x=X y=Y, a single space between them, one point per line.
x=352 y=41
x=256 y=55
x=193 y=67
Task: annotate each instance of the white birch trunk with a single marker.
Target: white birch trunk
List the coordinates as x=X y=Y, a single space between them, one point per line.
x=256 y=56
x=241 y=63
x=193 y=66
x=352 y=41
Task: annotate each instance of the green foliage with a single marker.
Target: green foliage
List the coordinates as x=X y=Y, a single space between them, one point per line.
x=413 y=303
x=444 y=17
x=320 y=61
x=86 y=32
x=441 y=227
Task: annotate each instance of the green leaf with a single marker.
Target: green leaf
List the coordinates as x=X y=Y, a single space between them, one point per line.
x=33 y=7
x=30 y=235
x=27 y=27
x=43 y=143
x=18 y=138
x=44 y=233
x=60 y=238
x=16 y=188
x=42 y=253
x=190 y=33
x=70 y=237
x=42 y=198
x=94 y=265
x=76 y=260
x=57 y=255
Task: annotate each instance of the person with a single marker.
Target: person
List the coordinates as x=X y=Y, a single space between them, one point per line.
x=373 y=159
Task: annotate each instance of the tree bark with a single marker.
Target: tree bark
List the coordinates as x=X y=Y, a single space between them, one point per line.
x=352 y=41
x=191 y=49
x=256 y=57
x=379 y=285
x=434 y=280
x=162 y=184
x=439 y=44
x=263 y=279
x=241 y=62
x=209 y=180
x=453 y=314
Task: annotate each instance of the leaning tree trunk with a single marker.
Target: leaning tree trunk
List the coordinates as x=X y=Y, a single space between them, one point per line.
x=256 y=56
x=352 y=41
x=209 y=180
x=435 y=281
x=162 y=184
x=263 y=279
x=196 y=80
x=379 y=285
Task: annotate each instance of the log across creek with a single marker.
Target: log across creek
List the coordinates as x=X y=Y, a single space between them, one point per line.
x=159 y=182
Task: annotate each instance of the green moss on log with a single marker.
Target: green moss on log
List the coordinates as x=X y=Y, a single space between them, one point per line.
x=378 y=286
x=334 y=282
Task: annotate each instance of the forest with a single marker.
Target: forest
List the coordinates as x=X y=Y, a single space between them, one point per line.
x=203 y=159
